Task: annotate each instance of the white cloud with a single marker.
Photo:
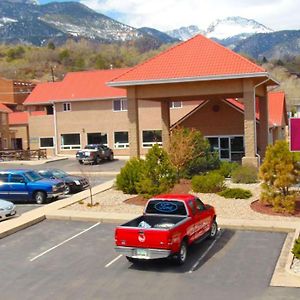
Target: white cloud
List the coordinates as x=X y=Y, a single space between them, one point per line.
x=170 y=14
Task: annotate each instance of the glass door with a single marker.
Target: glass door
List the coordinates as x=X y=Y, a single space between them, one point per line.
x=225 y=148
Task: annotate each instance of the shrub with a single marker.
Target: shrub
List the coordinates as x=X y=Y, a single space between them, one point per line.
x=279 y=172
x=158 y=174
x=226 y=168
x=235 y=193
x=211 y=183
x=130 y=174
x=190 y=152
x=244 y=174
x=296 y=248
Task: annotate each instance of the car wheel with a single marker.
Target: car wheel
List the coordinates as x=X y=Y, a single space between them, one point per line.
x=67 y=189
x=97 y=160
x=111 y=157
x=182 y=254
x=81 y=162
x=213 y=230
x=40 y=197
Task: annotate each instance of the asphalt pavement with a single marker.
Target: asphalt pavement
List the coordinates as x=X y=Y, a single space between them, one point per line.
x=76 y=260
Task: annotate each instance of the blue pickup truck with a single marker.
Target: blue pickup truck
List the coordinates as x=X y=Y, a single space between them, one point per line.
x=28 y=185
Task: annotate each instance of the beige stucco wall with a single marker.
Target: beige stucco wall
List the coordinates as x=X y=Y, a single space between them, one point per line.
x=21 y=131
x=98 y=116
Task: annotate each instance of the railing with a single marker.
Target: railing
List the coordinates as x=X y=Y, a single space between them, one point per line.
x=22 y=154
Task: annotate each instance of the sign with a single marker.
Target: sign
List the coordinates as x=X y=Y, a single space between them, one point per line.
x=295 y=134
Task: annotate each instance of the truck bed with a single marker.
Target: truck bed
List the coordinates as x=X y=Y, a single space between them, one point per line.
x=155 y=221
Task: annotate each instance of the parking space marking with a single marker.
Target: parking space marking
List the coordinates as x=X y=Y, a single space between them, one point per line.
x=196 y=264
x=65 y=241
x=114 y=260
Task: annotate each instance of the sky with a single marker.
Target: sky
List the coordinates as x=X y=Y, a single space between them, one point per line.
x=171 y=14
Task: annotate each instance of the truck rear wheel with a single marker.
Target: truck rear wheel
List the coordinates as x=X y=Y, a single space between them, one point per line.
x=182 y=254
x=132 y=260
x=40 y=197
x=213 y=230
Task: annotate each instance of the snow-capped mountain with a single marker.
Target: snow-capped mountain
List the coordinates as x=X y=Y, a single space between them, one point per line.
x=22 y=21
x=223 y=29
x=185 y=33
x=232 y=26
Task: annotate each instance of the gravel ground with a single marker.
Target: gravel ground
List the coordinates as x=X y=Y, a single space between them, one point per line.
x=113 y=201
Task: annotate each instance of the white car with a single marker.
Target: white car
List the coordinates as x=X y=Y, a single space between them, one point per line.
x=7 y=209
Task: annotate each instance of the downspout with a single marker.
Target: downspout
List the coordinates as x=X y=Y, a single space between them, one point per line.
x=55 y=129
x=255 y=131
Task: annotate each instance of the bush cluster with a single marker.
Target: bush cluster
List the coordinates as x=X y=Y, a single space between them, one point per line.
x=244 y=174
x=235 y=193
x=226 y=168
x=148 y=177
x=296 y=248
x=212 y=182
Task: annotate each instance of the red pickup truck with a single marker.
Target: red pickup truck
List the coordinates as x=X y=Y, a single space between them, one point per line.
x=170 y=223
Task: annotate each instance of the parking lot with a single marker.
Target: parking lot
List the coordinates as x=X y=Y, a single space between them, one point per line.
x=76 y=260
x=96 y=174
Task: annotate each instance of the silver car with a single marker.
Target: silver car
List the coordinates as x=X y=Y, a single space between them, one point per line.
x=7 y=209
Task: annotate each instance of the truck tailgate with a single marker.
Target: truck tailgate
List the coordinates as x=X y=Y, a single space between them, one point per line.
x=142 y=237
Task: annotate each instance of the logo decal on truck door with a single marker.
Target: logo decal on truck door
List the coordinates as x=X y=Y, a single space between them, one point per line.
x=142 y=237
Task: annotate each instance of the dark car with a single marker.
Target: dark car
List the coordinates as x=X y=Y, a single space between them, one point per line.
x=94 y=153
x=73 y=183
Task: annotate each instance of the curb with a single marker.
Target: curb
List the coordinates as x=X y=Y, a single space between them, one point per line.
x=32 y=162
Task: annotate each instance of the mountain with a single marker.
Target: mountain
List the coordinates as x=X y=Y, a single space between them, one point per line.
x=185 y=33
x=275 y=45
x=164 y=37
x=230 y=30
x=22 y=21
x=235 y=26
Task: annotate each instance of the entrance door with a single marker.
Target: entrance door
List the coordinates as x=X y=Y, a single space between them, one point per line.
x=225 y=148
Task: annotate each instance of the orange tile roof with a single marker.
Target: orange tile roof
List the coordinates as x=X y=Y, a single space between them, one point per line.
x=18 y=118
x=277 y=108
x=4 y=108
x=85 y=85
x=196 y=58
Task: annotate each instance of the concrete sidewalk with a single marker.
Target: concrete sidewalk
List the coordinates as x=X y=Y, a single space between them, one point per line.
x=282 y=276
x=34 y=162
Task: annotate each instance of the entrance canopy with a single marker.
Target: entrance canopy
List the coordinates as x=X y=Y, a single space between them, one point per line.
x=199 y=69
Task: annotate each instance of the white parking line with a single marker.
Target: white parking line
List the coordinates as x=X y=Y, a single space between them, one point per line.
x=114 y=260
x=65 y=241
x=196 y=264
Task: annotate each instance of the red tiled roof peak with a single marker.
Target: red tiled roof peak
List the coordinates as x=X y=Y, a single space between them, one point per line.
x=197 y=58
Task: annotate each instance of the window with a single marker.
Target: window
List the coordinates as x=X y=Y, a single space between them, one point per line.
x=199 y=204
x=97 y=138
x=120 y=105
x=49 y=109
x=121 y=140
x=151 y=137
x=3 y=177
x=17 y=178
x=70 y=141
x=176 y=104
x=46 y=142
x=67 y=106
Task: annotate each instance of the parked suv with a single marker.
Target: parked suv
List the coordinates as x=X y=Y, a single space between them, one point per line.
x=94 y=153
x=27 y=185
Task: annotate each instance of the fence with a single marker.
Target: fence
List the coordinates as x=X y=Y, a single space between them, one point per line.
x=22 y=154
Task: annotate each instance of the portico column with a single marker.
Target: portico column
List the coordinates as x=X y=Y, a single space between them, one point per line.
x=133 y=118
x=263 y=124
x=165 y=118
x=249 y=124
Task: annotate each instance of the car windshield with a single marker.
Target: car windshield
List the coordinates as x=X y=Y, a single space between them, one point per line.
x=33 y=176
x=58 y=173
x=166 y=207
